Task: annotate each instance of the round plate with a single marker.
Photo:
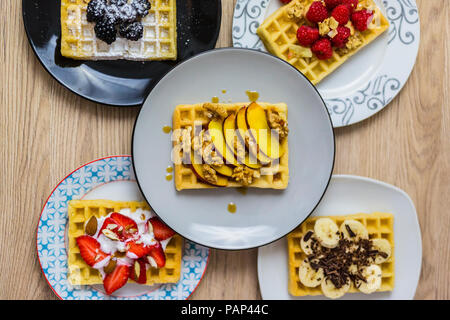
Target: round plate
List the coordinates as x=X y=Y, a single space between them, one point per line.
x=347 y=195
x=119 y=82
x=108 y=178
x=263 y=215
x=369 y=80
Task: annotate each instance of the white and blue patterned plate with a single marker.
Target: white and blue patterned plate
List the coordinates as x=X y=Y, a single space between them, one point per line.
x=383 y=67
x=108 y=178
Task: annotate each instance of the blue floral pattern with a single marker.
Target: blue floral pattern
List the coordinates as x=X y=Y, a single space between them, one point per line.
x=386 y=83
x=51 y=236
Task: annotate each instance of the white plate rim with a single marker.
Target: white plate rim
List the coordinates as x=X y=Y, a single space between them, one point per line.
x=64 y=255
x=371 y=96
x=376 y=182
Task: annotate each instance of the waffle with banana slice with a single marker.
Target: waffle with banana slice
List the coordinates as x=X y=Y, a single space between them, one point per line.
x=257 y=171
x=159 y=41
x=279 y=33
x=336 y=255
x=81 y=211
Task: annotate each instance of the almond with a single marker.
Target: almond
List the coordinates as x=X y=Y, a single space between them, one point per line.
x=109 y=234
x=110 y=267
x=150 y=227
x=119 y=254
x=137 y=270
x=91 y=226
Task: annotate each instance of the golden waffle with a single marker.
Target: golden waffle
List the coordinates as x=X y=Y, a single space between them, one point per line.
x=278 y=32
x=379 y=225
x=80 y=211
x=184 y=116
x=78 y=40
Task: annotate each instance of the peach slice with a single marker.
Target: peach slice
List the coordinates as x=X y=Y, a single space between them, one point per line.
x=223 y=170
x=267 y=142
x=231 y=137
x=215 y=129
x=198 y=171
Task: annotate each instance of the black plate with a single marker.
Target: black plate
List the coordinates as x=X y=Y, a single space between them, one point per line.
x=120 y=82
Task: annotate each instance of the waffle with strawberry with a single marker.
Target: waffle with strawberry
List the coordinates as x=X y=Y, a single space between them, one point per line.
x=318 y=36
x=114 y=242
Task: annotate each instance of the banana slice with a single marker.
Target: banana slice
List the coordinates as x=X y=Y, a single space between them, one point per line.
x=354 y=230
x=384 y=248
x=306 y=242
x=330 y=291
x=308 y=276
x=327 y=232
x=372 y=274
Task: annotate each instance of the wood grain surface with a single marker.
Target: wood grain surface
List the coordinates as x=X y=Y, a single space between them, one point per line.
x=46 y=132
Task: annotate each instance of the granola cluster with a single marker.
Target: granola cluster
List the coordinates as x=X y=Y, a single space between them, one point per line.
x=213 y=110
x=296 y=11
x=278 y=123
x=245 y=175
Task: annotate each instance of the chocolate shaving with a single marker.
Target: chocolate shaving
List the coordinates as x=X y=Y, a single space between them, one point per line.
x=307 y=236
x=383 y=255
x=336 y=262
x=350 y=232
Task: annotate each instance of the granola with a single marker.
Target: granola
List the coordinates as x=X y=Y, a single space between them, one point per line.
x=353 y=42
x=245 y=175
x=214 y=110
x=328 y=25
x=209 y=174
x=277 y=123
x=296 y=11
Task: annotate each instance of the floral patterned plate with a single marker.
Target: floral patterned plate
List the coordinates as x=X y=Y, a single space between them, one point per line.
x=108 y=178
x=381 y=69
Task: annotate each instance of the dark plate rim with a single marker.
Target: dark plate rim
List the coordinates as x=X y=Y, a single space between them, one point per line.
x=33 y=46
x=323 y=105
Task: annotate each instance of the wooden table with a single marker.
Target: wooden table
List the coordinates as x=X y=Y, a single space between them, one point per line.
x=46 y=132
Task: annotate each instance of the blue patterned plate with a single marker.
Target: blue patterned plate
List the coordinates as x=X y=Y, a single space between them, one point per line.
x=383 y=66
x=108 y=178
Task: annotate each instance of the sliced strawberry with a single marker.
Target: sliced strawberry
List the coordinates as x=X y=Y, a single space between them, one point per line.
x=129 y=226
x=137 y=250
x=158 y=255
x=139 y=267
x=90 y=250
x=117 y=279
x=110 y=222
x=160 y=230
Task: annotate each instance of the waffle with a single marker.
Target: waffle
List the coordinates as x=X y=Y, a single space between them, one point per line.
x=278 y=32
x=80 y=211
x=379 y=225
x=184 y=116
x=78 y=40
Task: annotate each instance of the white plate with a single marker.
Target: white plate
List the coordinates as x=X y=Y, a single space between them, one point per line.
x=108 y=178
x=262 y=216
x=347 y=195
x=368 y=81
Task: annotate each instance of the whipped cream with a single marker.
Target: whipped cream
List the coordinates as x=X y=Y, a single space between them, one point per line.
x=111 y=247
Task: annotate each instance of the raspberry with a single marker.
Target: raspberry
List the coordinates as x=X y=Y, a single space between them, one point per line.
x=332 y=3
x=341 y=38
x=322 y=49
x=317 y=12
x=341 y=14
x=307 y=35
x=285 y=1
x=361 y=19
x=351 y=4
